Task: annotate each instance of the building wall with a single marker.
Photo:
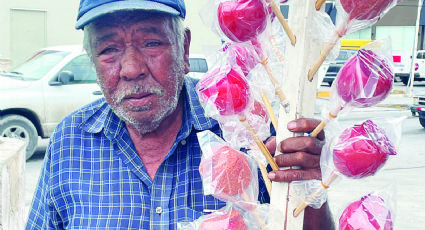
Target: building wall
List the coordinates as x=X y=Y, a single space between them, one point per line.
x=204 y=40
x=59 y=20
x=60 y=17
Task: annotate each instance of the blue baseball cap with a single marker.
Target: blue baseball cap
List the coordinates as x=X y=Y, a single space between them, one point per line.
x=89 y=10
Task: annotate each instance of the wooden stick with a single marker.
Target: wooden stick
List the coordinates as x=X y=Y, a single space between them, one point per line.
x=282 y=21
x=332 y=114
x=269 y=110
x=264 y=174
x=260 y=144
x=319 y=4
x=254 y=212
x=276 y=48
x=323 y=56
x=325 y=185
x=302 y=100
x=278 y=90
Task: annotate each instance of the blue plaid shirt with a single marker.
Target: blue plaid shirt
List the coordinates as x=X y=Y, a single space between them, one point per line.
x=93 y=178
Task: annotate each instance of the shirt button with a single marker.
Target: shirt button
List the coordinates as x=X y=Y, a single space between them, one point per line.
x=158 y=210
x=183 y=142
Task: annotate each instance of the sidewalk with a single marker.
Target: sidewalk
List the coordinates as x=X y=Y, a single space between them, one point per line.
x=398 y=99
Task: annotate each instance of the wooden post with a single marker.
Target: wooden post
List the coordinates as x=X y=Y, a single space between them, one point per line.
x=12 y=184
x=301 y=94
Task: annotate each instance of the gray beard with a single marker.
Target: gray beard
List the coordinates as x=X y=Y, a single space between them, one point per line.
x=167 y=107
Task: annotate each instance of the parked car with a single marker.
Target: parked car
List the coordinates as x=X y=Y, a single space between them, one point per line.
x=402 y=61
x=418 y=108
x=37 y=94
x=198 y=65
x=41 y=91
x=335 y=65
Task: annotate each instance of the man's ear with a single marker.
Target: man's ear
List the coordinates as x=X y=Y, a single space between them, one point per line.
x=187 y=39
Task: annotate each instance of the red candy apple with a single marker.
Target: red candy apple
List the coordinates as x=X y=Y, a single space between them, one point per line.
x=365 y=79
x=242 y=20
x=231 y=173
x=361 y=150
x=227 y=89
x=364 y=9
x=368 y=213
x=223 y=221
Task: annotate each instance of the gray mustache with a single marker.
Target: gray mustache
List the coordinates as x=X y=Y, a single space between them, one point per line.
x=138 y=89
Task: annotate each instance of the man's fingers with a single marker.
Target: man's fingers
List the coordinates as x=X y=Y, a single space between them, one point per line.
x=290 y=175
x=271 y=145
x=304 y=144
x=305 y=125
x=302 y=159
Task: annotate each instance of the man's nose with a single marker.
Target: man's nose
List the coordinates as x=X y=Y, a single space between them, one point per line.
x=132 y=64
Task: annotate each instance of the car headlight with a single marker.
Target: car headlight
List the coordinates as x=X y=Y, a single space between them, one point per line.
x=415 y=100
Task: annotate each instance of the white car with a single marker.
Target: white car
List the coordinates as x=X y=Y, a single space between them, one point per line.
x=41 y=91
x=37 y=94
x=402 y=64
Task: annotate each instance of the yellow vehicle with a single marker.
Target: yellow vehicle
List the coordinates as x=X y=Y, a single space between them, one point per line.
x=354 y=44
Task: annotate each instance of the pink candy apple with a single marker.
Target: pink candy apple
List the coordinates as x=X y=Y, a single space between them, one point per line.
x=223 y=221
x=368 y=213
x=227 y=89
x=231 y=173
x=361 y=150
x=242 y=20
x=245 y=57
x=365 y=79
x=365 y=9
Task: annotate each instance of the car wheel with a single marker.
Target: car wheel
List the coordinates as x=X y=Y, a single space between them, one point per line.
x=15 y=126
x=422 y=121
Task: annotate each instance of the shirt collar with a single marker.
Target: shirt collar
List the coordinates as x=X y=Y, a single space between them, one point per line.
x=99 y=116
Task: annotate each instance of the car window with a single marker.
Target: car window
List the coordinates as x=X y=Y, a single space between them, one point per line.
x=39 y=64
x=419 y=56
x=198 y=65
x=82 y=69
x=345 y=55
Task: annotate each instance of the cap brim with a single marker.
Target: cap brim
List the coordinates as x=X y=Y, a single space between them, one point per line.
x=122 y=5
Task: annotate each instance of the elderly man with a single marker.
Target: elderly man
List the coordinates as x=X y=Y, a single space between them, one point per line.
x=131 y=160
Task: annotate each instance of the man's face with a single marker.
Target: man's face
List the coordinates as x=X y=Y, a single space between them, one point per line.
x=140 y=70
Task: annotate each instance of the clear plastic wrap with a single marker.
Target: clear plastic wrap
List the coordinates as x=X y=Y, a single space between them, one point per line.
x=374 y=211
x=224 y=91
x=357 y=152
x=227 y=97
x=227 y=174
x=364 y=80
x=234 y=218
x=355 y=15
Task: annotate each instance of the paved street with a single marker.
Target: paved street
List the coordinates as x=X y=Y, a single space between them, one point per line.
x=405 y=171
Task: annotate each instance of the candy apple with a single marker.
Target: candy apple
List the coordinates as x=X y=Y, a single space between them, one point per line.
x=365 y=79
x=242 y=20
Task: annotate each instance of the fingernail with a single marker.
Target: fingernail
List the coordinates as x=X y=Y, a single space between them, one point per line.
x=292 y=125
x=271 y=176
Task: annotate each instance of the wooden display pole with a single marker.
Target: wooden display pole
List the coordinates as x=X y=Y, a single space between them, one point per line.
x=12 y=186
x=301 y=94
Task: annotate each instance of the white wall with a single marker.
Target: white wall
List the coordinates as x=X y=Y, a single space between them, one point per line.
x=60 y=20
x=61 y=17
x=204 y=41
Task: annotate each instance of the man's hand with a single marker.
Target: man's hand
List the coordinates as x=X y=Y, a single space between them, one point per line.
x=302 y=152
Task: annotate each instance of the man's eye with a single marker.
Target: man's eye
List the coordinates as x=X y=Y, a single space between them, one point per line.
x=108 y=50
x=153 y=44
